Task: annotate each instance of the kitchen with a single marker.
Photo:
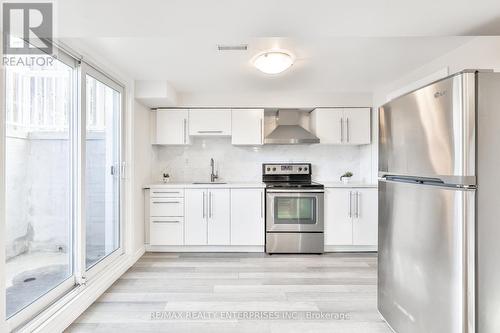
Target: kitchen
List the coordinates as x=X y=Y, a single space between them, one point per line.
x=249 y=166
x=244 y=142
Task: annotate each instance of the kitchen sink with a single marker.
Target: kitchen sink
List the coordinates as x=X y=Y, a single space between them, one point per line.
x=209 y=183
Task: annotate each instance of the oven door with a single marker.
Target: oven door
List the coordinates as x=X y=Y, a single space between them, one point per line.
x=294 y=211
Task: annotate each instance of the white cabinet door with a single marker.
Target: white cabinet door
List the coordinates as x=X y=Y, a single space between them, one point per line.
x=247 y=126
x=209 y=122
x=365 y=221
x=195 y=216
x=326 y=124
x=172 y=127
x=338 y=213
x=247 y=217
x=357 y=126
x=219 y=219
x=166 y=231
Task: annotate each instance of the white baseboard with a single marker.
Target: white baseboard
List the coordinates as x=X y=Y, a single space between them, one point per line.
x=203 y=248
x=81 y=298
x=351 y=248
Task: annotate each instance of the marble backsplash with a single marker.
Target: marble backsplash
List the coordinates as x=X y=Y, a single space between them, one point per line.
x=238 y=163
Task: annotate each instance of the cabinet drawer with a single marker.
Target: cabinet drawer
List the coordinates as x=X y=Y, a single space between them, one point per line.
x=167 y=193
x=167 y=231
x=166 y=207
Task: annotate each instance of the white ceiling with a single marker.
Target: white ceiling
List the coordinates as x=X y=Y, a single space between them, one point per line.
x=341 y=46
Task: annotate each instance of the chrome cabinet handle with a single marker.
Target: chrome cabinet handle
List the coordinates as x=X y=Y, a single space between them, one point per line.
x=185 y=130
x=203 y=211
x=176 y=192
x=166 y=202
x=341 y=129
x=347 y=129
x=350 y=204
x=358 y=195
x=211 y=205
x=209 y=131
x=261 y=131
x=173 y=221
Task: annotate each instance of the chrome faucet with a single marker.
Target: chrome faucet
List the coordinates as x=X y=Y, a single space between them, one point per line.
x=214 y=174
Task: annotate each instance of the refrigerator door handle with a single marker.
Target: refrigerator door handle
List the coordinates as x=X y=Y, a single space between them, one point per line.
x=418 y=180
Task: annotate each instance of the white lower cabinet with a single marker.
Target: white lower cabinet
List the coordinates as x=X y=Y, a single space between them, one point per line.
x=207 y=217
x=213 y=218
x=247 y=217
x=365 y=222
x=166 y=231
x=338 y=221
x=351 y=216
x=166 y=221
x=219 y=218
x=195 y=218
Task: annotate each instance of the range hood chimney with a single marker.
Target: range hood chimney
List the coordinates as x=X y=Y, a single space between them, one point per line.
x=289 y=131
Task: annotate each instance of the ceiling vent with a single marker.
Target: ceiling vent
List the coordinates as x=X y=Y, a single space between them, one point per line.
x=241 y=47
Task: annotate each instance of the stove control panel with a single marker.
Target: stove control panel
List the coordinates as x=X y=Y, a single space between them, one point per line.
x=286 y=169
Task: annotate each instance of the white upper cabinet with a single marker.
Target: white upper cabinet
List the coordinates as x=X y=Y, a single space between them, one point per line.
x=327 y=124
x=171 y=127
x=342 y=125
x=247 y=217
x=357 y=126
x=210 y=122
x=247 y=126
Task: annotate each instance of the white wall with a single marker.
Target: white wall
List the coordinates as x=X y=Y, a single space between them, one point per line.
x=241 y=163
x=143 y=156
x=479 y=53
x=277 y=100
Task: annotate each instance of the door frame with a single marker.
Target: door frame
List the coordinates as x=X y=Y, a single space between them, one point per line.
x=84 y=274
x=65 y=286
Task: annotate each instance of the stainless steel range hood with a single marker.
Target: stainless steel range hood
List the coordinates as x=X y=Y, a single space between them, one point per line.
x=289 y=131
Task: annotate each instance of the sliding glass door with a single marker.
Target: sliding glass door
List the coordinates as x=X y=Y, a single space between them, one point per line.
x=102 y=167
x=63 y=180
x=40 y=108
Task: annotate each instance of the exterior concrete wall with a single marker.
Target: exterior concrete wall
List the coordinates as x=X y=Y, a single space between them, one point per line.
x=38 y=189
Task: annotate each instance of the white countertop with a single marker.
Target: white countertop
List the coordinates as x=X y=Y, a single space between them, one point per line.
x=351 y=184
x=231 y=184
x=228 y=184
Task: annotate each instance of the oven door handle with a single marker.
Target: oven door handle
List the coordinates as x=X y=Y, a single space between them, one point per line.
x=295 y=191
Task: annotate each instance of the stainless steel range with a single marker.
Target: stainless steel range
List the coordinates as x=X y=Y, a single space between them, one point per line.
x=294 y=209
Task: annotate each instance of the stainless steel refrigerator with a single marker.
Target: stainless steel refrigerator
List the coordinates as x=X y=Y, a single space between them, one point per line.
x=439 y=207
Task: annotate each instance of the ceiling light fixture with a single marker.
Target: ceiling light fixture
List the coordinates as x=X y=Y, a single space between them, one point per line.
x=273 y=62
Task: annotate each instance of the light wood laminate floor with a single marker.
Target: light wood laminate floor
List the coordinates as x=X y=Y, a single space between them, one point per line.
x=222 y=290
